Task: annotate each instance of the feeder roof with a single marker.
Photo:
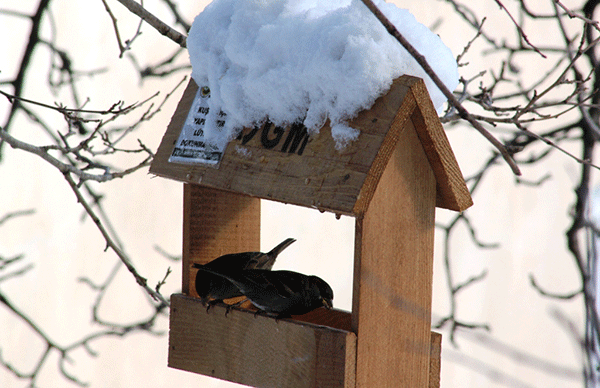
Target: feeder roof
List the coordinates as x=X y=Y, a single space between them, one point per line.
x=293 y=166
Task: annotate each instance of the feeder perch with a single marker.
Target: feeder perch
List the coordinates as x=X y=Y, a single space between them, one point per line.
x=390 y=180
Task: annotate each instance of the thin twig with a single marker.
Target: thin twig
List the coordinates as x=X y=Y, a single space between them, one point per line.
x=115 y=109
x=14 y=214
x=521 y=32
x=69 y=168
x=550 y=294
x=111 y=244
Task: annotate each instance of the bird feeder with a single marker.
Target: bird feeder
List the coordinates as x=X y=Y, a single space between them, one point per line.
x=390 y=180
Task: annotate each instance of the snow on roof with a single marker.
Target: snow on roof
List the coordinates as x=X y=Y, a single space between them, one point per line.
x=305 y=60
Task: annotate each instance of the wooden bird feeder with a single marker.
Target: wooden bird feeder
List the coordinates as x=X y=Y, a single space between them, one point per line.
x=390 y=179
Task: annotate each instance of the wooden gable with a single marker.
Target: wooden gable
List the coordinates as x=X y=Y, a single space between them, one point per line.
x=292 y=166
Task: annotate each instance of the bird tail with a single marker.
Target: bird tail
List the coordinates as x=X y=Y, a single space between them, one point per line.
x=267 y=260
x=277 y=250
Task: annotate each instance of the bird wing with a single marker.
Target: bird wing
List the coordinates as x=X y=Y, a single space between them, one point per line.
x=234 y=261
x=283 y=284
x=248 y=260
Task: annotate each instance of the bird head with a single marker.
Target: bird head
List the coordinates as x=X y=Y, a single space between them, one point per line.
x=324 y=290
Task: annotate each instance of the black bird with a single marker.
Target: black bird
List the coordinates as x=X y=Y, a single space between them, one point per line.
x=213 y=288
x=282 y=293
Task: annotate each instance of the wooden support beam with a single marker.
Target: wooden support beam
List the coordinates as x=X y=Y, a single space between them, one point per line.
x=393 y=272
x=435 y=360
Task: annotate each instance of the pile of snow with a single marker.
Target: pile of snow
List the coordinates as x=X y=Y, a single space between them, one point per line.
x=308 y=60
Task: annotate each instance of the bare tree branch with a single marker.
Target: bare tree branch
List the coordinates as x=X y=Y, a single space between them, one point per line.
x=464 y=114
x=128 y=42
x=111 y=244
x=521 y=32
x=161 y=27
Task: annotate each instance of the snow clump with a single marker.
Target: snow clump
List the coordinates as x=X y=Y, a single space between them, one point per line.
x=305 y=60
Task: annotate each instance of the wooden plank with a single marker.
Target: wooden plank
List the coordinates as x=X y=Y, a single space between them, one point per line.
x=394 y=131
x=342 y=320
x=263 y=353
x=263 y=162
x=335 y=318
x=257 y=350
x=452 y=192
x=393 y=272
x=272 y=162
x=216 y=222
x=435 y=360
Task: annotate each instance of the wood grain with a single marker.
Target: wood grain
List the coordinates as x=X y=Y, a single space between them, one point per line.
x=393 y=272
x=391 y=179
x=257 y=350
x=216 y=222
x=322 y=177
x=451 y=190
x=435 y=360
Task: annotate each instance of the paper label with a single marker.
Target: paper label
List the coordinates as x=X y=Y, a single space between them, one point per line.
x=190 y=146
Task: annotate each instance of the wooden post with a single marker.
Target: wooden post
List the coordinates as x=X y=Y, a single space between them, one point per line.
x=435 y=360
x=216 y=222
x=393 y=272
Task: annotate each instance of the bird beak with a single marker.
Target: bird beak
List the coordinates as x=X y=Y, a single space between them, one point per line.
x=327 y=303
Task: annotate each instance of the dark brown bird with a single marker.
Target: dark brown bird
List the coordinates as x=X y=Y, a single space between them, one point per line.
x=213 y=288
x=281 y=293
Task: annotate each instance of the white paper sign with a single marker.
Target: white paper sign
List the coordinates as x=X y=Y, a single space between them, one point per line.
x=190 y=146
